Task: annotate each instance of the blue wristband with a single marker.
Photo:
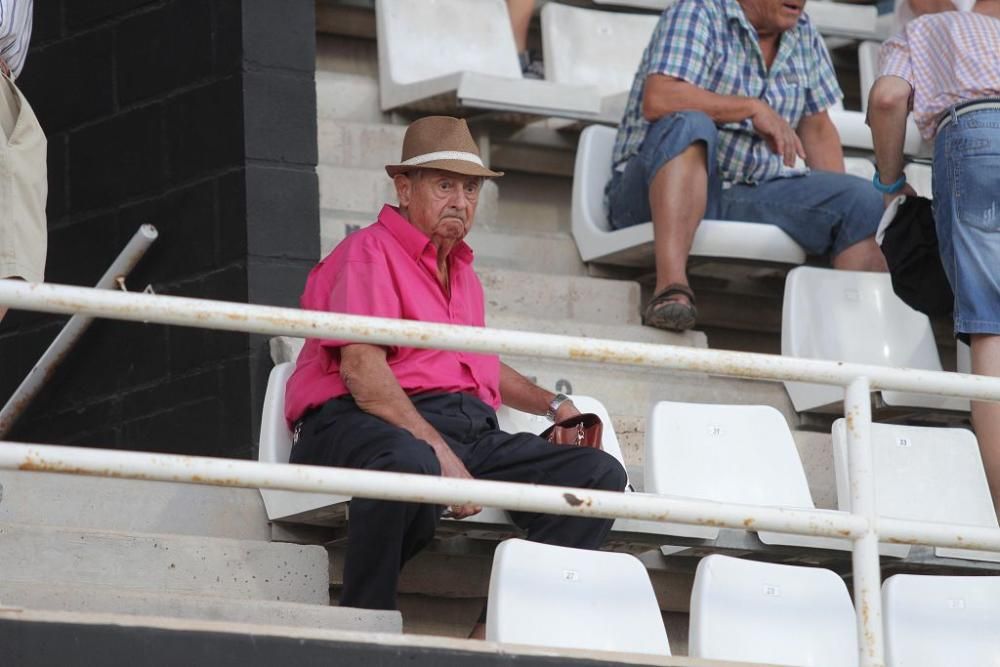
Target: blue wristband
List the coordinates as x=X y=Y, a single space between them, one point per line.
x=888 y=189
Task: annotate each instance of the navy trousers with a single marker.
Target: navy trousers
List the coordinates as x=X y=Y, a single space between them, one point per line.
x=383 y=535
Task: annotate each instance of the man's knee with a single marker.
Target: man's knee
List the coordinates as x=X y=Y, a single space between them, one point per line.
x=678 y=131
x=605 y=471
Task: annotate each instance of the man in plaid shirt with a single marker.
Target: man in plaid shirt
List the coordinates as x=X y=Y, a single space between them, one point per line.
x=727 y=119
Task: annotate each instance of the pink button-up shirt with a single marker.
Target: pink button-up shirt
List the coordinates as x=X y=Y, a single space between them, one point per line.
x=389 y=269
x=947 y=58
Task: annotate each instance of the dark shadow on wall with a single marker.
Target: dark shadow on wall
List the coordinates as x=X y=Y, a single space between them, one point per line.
x=198 y=116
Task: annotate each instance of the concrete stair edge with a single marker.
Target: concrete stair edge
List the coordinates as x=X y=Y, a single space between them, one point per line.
x=92 y=599
x=216 y=567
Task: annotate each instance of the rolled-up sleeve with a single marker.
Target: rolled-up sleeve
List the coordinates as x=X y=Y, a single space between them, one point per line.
x=894 y=59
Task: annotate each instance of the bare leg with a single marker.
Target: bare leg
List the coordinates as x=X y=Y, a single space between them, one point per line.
x=862 y=256
x=678 y=195
x=520 y=18
x=986 y=414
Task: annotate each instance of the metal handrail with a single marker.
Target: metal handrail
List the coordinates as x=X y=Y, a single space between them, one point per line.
x=862 y=525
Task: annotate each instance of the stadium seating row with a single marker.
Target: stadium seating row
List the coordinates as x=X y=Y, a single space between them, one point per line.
x=724 y=453
x=741 y=610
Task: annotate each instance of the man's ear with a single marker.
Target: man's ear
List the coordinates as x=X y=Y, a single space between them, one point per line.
x=404 y=189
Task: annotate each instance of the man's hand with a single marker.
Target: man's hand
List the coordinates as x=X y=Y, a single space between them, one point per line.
x=907 y=190
x=566 y=410
x=452 y=466
x=780 y=136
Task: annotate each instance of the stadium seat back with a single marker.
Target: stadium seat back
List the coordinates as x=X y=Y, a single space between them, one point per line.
x=573 y=598
x=940 y=621
x=593 y=47
x=275 y=446
x=906 y=459
x=750 y=611
x=854 y=316
x=432 y=38
x=723 y=453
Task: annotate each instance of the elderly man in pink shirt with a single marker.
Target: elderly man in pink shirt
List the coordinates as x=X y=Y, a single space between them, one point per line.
x=945 y=68
x=424 y=411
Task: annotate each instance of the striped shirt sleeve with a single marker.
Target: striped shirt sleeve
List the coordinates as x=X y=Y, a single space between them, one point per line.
x=685 y=44
x=894 y=59
x=15 y=32
x=824 y=90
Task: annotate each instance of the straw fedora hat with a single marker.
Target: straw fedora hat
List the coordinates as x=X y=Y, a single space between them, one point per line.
x=440 y=142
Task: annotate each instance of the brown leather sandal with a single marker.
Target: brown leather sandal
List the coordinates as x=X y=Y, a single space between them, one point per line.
x=664 y=313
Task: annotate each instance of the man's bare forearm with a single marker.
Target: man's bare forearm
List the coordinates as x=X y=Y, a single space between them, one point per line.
x=665 y=95
x=888 y=107
x=364 y=370
x=521 y=393
x=821 y=142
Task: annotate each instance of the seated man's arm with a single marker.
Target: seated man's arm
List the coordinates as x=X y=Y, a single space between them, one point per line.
x=664 y=95
x=522 y=394
x=367 y=375
x=822 y=142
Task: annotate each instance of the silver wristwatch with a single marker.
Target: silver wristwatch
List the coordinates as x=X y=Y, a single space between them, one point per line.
x=554 y=404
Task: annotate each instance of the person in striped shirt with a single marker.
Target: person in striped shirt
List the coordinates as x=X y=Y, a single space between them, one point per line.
x=22 y=156
x=730 y=97
x=945 y=68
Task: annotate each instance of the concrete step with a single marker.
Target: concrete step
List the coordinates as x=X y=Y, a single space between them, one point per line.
x=365 y=191
x=630 y=390
x=123 y=505
x=606 y=330
x=101 y=600
x=142 y=562
x=559 y=297
x=522 y=251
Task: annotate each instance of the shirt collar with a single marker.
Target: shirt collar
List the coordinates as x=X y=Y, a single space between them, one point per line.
x=414 y=241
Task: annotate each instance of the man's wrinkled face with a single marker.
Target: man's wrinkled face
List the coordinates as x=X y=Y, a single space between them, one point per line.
x=773 y=16
x=441 y=204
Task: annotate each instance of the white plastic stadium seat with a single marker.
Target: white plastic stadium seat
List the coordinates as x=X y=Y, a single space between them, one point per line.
x=573 y=598
x=594 y=48
x=906 y=460
x=938 y=621
x=729 y=454
x=275 y=447
x=442 y=56
x=769 y=613
x=854 y=316
x=633 y=246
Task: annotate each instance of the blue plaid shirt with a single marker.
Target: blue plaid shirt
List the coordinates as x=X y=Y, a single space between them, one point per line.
x=711 y=44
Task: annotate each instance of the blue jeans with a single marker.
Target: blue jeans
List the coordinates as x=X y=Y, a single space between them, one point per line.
x=823 y=212
x=967 y=215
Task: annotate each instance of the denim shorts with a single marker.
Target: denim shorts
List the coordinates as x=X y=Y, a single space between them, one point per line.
x=823 y=212
x=967 y=215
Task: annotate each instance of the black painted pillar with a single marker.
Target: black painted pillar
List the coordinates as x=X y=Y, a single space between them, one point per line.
x=198 y=116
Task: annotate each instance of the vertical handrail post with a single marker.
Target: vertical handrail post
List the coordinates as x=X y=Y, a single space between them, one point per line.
x=865 y=556
x=72 y=331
